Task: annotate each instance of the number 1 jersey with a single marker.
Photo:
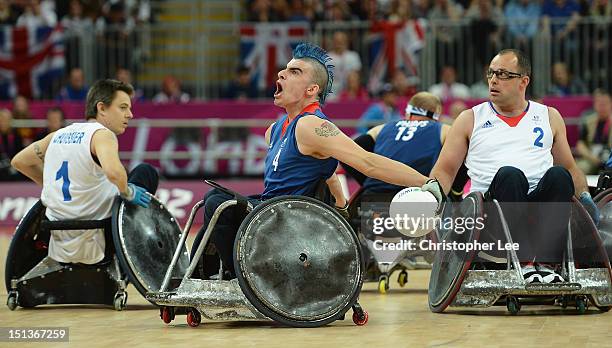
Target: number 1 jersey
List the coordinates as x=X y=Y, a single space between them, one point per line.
x=523 y=142
x=74 y=185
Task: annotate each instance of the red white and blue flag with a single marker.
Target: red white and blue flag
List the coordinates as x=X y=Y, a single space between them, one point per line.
x=264 y=47
x=395 y=46
x=31 y=59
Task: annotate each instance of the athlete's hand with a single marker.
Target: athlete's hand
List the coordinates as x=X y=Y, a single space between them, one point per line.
x=434 y=187
x=343 y=211
x=137 y=195
x=590 y=206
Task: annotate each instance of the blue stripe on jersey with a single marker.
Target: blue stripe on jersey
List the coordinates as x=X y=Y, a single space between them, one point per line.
x=287 y=171
x=415 y=143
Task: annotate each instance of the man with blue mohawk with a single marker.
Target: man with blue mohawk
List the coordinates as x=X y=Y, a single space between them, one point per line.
x=304 y=149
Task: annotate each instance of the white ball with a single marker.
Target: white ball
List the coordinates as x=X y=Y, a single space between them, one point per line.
x=413 y=212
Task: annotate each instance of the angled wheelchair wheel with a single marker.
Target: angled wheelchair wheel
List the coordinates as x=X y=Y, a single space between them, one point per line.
x=450 y=266
x=145 y=240
x=28 y=247
x=298 y=261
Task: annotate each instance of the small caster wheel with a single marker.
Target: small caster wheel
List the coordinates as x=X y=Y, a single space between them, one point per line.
x=120 y=301
x=581 y=305
x=360 y=317
x=513 y=305
x=383 y=284
x=11 y=301
x=193 y=318
x=402 y=279
x=166 y=314
x=564 y=302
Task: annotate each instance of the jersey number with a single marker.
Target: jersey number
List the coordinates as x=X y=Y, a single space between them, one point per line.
x=409 y=133
x=62 y=173
x=538 y=141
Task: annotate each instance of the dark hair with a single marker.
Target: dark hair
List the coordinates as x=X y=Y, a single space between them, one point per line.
x=524 y=64
x=56 y=109
x=104 y=91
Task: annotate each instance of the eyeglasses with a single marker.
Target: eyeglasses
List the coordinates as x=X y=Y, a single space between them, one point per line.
x=502 y=74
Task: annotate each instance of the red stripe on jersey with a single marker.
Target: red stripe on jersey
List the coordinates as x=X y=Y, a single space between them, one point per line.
x=309 y=109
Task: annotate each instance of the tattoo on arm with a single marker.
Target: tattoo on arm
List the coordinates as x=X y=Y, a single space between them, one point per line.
x=39 y=153
x=327 y=129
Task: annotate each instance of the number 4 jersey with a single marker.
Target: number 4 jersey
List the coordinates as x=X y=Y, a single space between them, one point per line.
x=76 y=188
x=524 y=142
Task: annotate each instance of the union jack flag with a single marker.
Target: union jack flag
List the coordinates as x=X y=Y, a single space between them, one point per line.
x=395 y=46
x=31 y=58
x=266 y=46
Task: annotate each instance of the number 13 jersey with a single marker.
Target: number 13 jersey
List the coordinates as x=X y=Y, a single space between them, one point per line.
x=74 y=185
x=524 y=142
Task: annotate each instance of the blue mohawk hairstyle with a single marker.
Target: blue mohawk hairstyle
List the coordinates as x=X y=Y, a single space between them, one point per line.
x=308 y=50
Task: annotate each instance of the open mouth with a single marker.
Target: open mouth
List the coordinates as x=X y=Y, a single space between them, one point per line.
x=279 y=89
x=493 y=91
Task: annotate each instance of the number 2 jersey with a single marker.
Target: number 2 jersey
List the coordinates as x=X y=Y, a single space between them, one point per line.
x=76 y=188
x=523 y=142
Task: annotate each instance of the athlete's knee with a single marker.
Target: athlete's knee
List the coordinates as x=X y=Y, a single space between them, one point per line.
x=509 y=174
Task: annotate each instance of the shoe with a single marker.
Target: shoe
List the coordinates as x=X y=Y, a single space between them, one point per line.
x=548 y=274
x=531 y=274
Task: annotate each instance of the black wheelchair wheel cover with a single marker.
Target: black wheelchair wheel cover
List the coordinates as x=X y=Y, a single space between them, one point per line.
x=20 y=260
x=442 y=293
x=146 y=266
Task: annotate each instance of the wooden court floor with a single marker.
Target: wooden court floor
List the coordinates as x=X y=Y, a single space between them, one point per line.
x=401 y=318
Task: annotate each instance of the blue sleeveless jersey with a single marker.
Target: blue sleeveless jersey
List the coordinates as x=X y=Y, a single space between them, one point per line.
x=414 y=143
x=287 y=171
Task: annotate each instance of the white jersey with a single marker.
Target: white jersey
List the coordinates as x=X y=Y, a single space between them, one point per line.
x=499 y=141
x=76 y=188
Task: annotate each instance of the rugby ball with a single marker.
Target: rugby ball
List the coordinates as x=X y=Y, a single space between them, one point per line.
x=414 y=212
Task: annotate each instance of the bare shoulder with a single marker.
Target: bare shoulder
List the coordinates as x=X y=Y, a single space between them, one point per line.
x=464 y=122
x=103 y=138
x=556 y=120
x=554 y=115
x=317 y=126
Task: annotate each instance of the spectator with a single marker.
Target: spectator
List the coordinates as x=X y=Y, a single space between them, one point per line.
x=55 y=121
x=595 y=135
x=480 y=89
x=8 y=16
x=456 y=108
x=598 y=31
x=124 y=75
x=76 y=89
x=338 y=11
x=242 y=87
x=21 y=111
x=449 y=88
x=522 y=17
x=401 y=11
x=75 y=22
x=483 y=17
x=344 y=61
x=405 y=87
x=564 y=12
x=563 y=83
x=38 y=13
x=171 y=92
x=445 y=16
x=297 y=11
x=421 y=8
x=10 y=144
x=380 y=112
x=354 y=89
